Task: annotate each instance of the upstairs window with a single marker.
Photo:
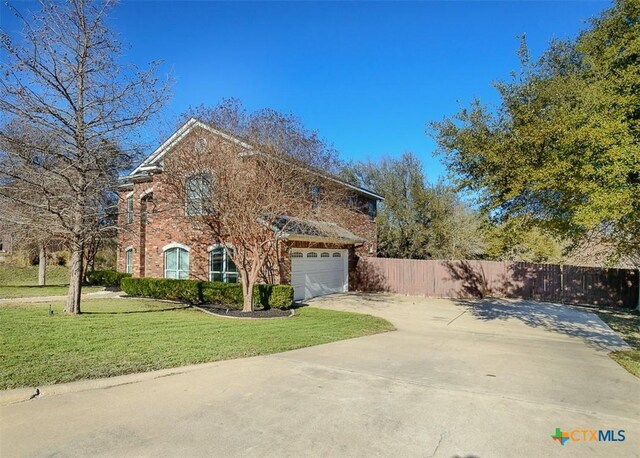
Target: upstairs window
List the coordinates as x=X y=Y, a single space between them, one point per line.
x=130 y=209
x=221 y=267
x=315 y=197
x=372 y=210
x=176 y=263
x=198 y=195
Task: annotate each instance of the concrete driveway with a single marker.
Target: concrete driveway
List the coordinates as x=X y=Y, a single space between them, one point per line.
x=488 y=378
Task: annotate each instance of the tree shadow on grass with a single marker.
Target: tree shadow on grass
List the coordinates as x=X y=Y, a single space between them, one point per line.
x=557 y=318
x=128 y=312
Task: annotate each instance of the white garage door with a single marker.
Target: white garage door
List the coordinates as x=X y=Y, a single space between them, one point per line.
x=318 y=272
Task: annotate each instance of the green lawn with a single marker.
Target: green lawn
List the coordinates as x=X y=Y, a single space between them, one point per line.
x=28 y=276
x=23 y=282
x=11 y=292
x=122 y=336
x=627 y=325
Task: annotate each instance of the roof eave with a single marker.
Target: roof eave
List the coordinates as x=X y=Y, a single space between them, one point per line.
x=150 y=163
x=320 y=239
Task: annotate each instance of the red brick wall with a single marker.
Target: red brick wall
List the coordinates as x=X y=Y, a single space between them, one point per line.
x=166 y=223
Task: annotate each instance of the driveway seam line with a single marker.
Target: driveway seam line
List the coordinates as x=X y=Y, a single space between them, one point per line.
x=456 y=318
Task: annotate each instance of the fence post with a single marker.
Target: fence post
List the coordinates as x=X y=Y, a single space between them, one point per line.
x=562 y=283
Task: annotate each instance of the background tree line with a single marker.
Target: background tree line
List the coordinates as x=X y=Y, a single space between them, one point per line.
x=552 y=171
x=561 y=152
x=422 y=220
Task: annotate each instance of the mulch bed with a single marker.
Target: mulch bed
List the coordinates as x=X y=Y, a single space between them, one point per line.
x=221 y=310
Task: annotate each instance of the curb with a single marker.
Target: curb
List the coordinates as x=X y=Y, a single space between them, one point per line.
x=19 y=395
x=293 y=312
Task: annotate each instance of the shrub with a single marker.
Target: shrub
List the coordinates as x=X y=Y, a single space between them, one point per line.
x=222 y=293
x=275 y=296
x=163 y=288
x=105 y=277
x=197 y=292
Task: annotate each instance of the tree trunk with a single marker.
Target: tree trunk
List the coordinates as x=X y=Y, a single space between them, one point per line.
x=75 y=281
x=42 y=266
x=247 y=296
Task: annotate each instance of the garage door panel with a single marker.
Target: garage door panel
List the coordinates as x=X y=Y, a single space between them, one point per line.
x=315 y=276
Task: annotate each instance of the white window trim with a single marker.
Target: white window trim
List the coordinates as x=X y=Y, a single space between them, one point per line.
x=145 y=192
x=219 y=245
x=175 y=245
x=126 y=265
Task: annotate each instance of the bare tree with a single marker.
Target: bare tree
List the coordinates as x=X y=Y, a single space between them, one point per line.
x=69 y=114
x=246 y=194
x=18 y=219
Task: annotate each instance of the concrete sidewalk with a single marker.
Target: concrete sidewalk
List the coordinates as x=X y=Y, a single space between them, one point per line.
x=456 y=379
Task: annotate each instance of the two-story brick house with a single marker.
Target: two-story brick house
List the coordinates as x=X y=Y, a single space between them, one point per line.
x=156 y=240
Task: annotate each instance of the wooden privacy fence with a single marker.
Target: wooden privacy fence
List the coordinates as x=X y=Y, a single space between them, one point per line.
x=469 y=279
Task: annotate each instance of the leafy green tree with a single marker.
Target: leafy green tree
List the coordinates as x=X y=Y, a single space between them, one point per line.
x=512 y=241
x=417 y=221
x=562 y=150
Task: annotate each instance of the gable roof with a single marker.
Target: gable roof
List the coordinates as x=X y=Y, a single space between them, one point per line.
x=153 y=162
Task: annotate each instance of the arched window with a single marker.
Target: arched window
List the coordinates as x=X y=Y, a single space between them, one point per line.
x=128 y=260
x=198 y=195
x=221 y=267
x=176 y=263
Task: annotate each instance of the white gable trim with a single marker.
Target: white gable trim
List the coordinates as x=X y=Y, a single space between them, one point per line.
x=153 y=160
x=191 y=124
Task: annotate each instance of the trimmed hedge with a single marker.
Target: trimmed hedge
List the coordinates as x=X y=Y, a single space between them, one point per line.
x=105 y=277
x=199 y=292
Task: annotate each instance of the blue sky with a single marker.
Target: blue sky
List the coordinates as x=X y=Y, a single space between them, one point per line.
x=366 y=75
